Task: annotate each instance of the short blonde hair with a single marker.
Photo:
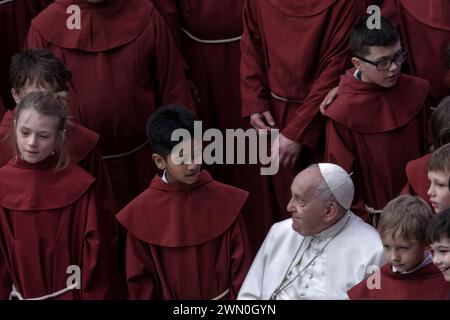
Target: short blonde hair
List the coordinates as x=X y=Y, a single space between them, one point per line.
x=406 y=216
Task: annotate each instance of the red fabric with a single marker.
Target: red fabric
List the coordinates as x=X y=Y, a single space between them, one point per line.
x=417 y=178
x=427 y=283
x=303 y=70
x=50 y=220
x=366 y=134
x=82 y=146
x=15 y=18
x=297 y=50
x=425 y=32
x=214 y=70
x=134 y=67
x=185 y=241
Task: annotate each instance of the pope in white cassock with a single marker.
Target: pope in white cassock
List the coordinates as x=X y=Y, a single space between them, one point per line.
x=323 y=250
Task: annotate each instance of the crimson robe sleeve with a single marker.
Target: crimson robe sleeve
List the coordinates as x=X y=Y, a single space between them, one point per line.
x=339 y=152
x=96 y=261
x=254 y=88
x=240 y=256
x=139 y=269
x=169 y=67
x=306 y=126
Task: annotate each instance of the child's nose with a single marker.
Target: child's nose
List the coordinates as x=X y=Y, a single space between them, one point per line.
x=32 y=140
x=430 y=191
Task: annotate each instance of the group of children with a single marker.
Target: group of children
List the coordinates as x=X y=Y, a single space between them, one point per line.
x=185 y=235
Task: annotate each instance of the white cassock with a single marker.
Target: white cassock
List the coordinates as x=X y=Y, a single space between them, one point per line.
x=323 y=266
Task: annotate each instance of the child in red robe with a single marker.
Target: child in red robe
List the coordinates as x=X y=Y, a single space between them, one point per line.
x=186 y=237
x=438 y=175
x=52 y=239
x=438 y=236
x=378 y=122
x=417 y=169
x=409 y=273
x=124 y=65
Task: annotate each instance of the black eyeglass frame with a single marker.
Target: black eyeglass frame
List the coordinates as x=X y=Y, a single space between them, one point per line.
x=403 y=53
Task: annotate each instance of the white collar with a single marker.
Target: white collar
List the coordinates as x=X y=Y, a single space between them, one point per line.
x=334 y=229
x=164 y=176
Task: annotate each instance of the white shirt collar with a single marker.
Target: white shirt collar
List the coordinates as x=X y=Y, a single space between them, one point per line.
x=164 y=176
x=334 y=229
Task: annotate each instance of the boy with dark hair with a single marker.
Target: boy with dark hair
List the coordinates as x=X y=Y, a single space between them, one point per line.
x=438 y=175
x=377 y=123
x=186 y=238
x=417 y=169
x=438 y=236
x=409 y=273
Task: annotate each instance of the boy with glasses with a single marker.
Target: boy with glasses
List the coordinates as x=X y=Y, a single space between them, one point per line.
x=378 y=121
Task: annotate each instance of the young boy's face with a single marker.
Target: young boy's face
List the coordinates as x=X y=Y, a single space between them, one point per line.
x=403 y=254
x=441 y=256
x=181 y=167
x=370 y=73
x=439 y=192
x=29 y=87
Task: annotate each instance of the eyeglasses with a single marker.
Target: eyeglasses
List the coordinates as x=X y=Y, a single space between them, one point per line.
x=385 y=64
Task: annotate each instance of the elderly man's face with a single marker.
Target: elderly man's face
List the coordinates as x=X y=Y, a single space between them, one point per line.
x=307 y=210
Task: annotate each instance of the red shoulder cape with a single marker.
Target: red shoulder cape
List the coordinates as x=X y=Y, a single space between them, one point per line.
x=104 y=26
x=425 y=283
x=369 y=108
x=176 y=215
x=28 y=187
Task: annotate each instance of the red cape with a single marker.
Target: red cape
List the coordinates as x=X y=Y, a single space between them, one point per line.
x=366 y=133
x=207 y=207
x=134 y=68
x=98 y=31
x=417 y=175
x=427 y=283
x=369 y=108
x=186 y=241
x=63 y=188
x=49 y=221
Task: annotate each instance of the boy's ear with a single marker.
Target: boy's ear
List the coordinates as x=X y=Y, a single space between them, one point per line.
x=159 y=161
x=15 y=95
x=356 y=62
